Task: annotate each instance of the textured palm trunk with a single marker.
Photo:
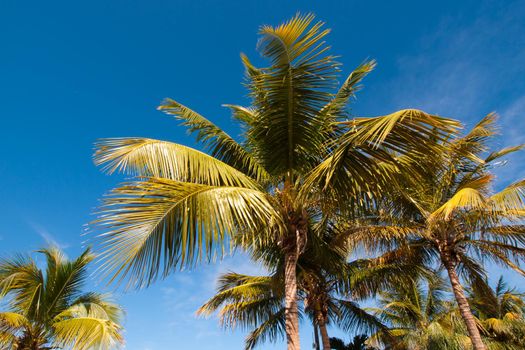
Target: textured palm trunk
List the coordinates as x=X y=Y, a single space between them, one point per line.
x=464 y=307
x=316 y=336
x=324 y=335
x=290 y=290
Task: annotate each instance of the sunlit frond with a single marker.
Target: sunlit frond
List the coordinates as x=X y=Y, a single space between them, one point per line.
x=510 y=200
x=152 y=227
x=154 y=158
x=289 y=94
x=465 y=199
x=221 y=145
x=83 y=329
x=360 y=157
x=335 y=110
x=503 y=152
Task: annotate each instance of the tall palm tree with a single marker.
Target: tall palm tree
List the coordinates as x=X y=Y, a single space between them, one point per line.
x=296 y=139
x=420 y=317
x=454 y=217
x=48 y=309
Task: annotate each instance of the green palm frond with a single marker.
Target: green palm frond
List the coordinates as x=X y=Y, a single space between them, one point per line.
x=361 y=155
x=83 y=329
x=64 y=278
x=503 y=152
x=335 y=110
x=221 y=145
x=270 y=330
x=154 y=158
x=288 y=95
x=21 y=278
x=172 y=224
x=351 y=317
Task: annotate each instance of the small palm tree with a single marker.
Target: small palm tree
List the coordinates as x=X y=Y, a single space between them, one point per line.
x=325 y=280
x=420 y=317
x=48 y=309
x=501 y=314
x=296 y=140
x=453 y=217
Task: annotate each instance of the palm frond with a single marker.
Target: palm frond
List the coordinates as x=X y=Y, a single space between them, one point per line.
x=503 y=152
x=154 y=158
x=367 y=156
x=465 y=199
x=270 y=330
x=221 y=145
x=289 y=94
x=83 y=329
x=158 y=222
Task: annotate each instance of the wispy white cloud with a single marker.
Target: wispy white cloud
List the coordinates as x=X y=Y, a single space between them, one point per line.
x=467 y=69
x=48 y=238
x=454 y=72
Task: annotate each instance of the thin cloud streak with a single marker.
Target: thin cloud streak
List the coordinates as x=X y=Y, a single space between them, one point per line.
x=47 y=236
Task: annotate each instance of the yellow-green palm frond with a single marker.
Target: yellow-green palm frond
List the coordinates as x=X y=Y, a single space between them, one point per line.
x=395 y=131
x=379 y=237
x=503 y=152
x=21 y=278
x=294 y=41
x=359 y=157
x=235 y=288
x=154 y=158
x=64 y=278
x=11 y=325
x=81 y=329
x=349 y=316
x=289 y=94
x=507 y=255
x=103 y=304
x=475 y=141
x=270 y=330
x=335 y=110
x=510 y=201
x=152 y=227
x=464 y=199
x=12 y=322
x=221 y=145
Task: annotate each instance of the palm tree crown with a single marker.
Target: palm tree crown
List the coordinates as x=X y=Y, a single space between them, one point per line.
x=48 y=309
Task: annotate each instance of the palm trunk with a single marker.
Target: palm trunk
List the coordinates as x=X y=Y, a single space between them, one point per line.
x=464 y=307
x=290 y=291
x=324 y=336
x=316 y=336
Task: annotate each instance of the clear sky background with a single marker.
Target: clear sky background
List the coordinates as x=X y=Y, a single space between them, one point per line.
x=75 y=71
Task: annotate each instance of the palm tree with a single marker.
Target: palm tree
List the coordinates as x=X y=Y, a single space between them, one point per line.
x=453 y=217
x=420 y=317
x=501 y=314
x=325 y=281
x=48 y=310
x=185 y=204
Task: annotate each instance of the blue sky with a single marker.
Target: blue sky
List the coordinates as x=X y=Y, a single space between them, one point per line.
x=75 y=71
